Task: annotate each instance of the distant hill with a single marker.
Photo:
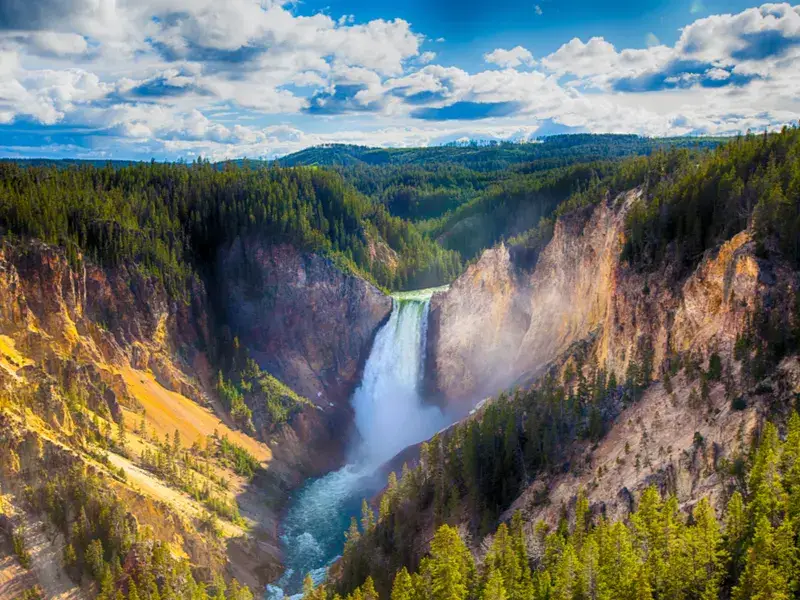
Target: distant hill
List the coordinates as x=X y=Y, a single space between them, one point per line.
x=558 y=150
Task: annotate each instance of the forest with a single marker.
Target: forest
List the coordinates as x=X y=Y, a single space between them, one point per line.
x=435 y=211
x=752 y=551
x=433 y=208
x=171 y=218
x=548 y=152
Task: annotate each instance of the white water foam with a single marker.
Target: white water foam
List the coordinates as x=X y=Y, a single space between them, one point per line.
x=389 y=415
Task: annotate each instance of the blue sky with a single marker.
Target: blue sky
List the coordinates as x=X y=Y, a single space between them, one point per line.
x=172 y=79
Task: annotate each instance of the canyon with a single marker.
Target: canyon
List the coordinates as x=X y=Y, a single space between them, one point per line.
x=252 y=422
x=114 y=337
x=115 y=334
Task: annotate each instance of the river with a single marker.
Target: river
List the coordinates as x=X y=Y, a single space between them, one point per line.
x=389 y=416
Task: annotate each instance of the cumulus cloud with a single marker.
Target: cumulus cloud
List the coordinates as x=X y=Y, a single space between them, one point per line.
x=509 y=58
x=756 y=43
x=426 y=57
x=174 y=76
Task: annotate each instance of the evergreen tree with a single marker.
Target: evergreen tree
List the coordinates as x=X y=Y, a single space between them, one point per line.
x=494 y=588
x=449 y=570
x=764 y=576
x=707 y=556
x=402 y=588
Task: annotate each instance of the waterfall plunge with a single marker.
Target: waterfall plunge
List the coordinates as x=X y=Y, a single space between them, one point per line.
x=389 y=416
x=389 y=412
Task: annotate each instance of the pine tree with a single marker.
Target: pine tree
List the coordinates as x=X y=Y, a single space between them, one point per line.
x=769 y=499
x=566 y=574
x=589 y=565
x=449 y=568
x=764 y=576
x=121 y=430
x=736 y=526
x=706 y=552
x=642 y=589
x=367 y=518
x=494 y=588
x=581 y=519
x=402 y=587
x=133 y=591
x=620 y=564
x=649 y=527
x=308 y=587
x=368 y=590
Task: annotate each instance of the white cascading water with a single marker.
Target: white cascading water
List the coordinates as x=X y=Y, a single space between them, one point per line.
x=390 y=415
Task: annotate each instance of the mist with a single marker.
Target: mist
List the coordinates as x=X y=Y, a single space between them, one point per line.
x=390 y=413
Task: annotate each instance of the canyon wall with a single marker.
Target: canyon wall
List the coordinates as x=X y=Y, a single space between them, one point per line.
x=79 y=339
x=500 y=325
x=311 y=325
x=302 y=318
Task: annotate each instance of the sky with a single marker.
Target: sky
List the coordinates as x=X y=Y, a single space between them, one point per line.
x=179 y=79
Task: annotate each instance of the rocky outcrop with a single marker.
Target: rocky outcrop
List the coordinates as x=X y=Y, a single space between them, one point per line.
x=310 y=325
x=70 y=318
x=499 y=325
x=301 y=317
x=663 y=440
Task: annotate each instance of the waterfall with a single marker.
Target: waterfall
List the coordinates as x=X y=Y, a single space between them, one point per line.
x=389 y=416
x=389 y=413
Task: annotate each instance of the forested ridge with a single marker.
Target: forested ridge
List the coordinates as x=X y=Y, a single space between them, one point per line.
x=751 y=551
x=470 y=197
x=693 y=205
x=433 y=207
x=171 y=218
x=551 y=151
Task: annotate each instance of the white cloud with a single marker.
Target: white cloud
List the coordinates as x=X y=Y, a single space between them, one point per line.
x=515 y=57
x=538 y=9
x=162 y=74
x=426 y=57
x=757 y=41
x=751 y=35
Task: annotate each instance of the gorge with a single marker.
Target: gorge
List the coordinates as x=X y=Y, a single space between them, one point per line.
x=201 y=383
x=390 y=414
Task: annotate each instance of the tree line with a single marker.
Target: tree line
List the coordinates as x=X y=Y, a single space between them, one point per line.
x=658 y=551
x=692 y=204
x=170 y=219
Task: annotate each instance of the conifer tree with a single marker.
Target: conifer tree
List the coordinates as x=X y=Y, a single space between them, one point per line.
x=769 y=499
x=449 y=568
x=764 y=576
x=707 y=556
x=368 y=590
x=367 y=518
x=402 y=587
x=494 y=588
